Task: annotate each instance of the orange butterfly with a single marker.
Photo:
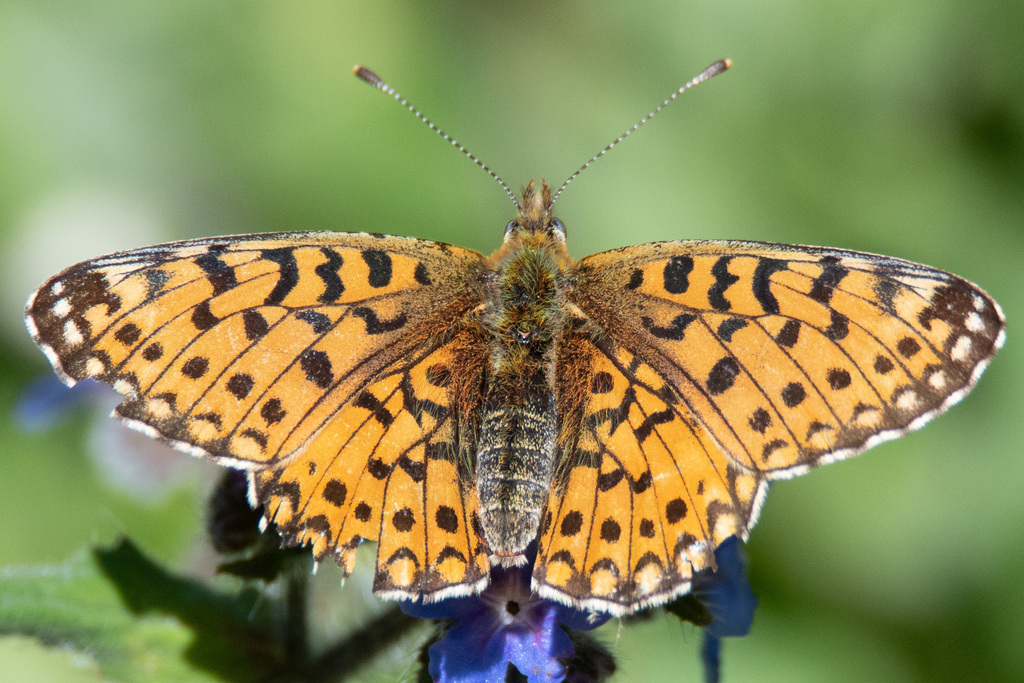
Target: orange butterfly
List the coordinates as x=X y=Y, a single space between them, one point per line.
x=626 y=411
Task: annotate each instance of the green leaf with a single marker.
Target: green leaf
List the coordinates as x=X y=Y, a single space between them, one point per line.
x=137 y=621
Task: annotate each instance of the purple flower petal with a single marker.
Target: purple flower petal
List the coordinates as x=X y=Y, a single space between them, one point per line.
x=505 y=624
x=726 y=592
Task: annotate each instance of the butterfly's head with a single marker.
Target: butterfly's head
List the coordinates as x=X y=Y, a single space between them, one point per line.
x=534 y=216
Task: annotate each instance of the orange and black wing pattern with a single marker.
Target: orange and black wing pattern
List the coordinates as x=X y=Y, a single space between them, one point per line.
x=265 y=352
x=644 y=495
x=714 y=367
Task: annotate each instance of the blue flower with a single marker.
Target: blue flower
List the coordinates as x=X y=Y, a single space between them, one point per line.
x=728 y=597
x=725 y=592
x=506 y=624
x=45 y=401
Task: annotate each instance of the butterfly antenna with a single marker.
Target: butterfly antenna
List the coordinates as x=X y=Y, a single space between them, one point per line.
x=713 y=70
x=373 y=79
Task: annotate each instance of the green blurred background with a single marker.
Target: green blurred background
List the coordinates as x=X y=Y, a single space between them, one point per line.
x=894 y=127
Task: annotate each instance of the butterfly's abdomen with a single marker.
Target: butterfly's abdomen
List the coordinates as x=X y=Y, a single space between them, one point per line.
x=515 y=462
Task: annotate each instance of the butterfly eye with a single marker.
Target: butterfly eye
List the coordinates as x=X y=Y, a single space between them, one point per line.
x=510 y=228
x=557 y=229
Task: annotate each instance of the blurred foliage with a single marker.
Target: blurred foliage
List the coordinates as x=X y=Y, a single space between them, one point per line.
x=80 y=606
x=894 y=127
x=132 y=620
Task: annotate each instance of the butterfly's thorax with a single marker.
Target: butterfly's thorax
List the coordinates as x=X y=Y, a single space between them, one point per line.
x=524 y=311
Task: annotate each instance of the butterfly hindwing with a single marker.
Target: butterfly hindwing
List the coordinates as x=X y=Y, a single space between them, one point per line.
x=644 y=496
x=792 y=356
x=244 y=347
x=387 y=469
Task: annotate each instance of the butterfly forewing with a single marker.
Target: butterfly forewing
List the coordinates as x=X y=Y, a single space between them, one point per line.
x=794 y=355
x=243 y=348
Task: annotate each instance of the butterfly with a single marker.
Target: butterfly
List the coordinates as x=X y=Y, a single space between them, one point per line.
x=622 y=414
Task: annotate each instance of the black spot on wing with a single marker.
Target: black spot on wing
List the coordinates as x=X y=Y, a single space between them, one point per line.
x=272 y=412
x=729 y=327
x=363 y=511
x=647 y=528
x=675 y=510
x=335 y=492
x=128 y=334
x=723 y=280
x=839 y=327
x=951 y=304
x=650 y=422
x=838 y=378
x=642 y=483
x=195 y=367
x=446 y=519
x=316 y=365
x=378 y=469
x=374 y=325
x=636 y=278
x=789 y=334
x=317 y=320
x=421 y=276
x=793 y=394
x=239 y=385
x=379 y=263
x=220 y=274
x=203 y=318
x=155 y=281
x=328 y=272
x=885 y=291
x=368 y=401
x=761 y=283
x=760 y=420
x=722 y=375
x=403 y=520
x=153 y=352
x=571 y=523
x=416 y=469
x=908 y=347
x=256 y=326
x=288 y=274
x=610 y=530
x=825 y=284
x=606 y=481
x=676 y=274
x=674 y=332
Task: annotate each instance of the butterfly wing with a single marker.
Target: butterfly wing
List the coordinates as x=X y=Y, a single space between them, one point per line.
x=245 y=348
x=791 y=356
x=737 y=363
x=391 y=467
x=644 y=495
